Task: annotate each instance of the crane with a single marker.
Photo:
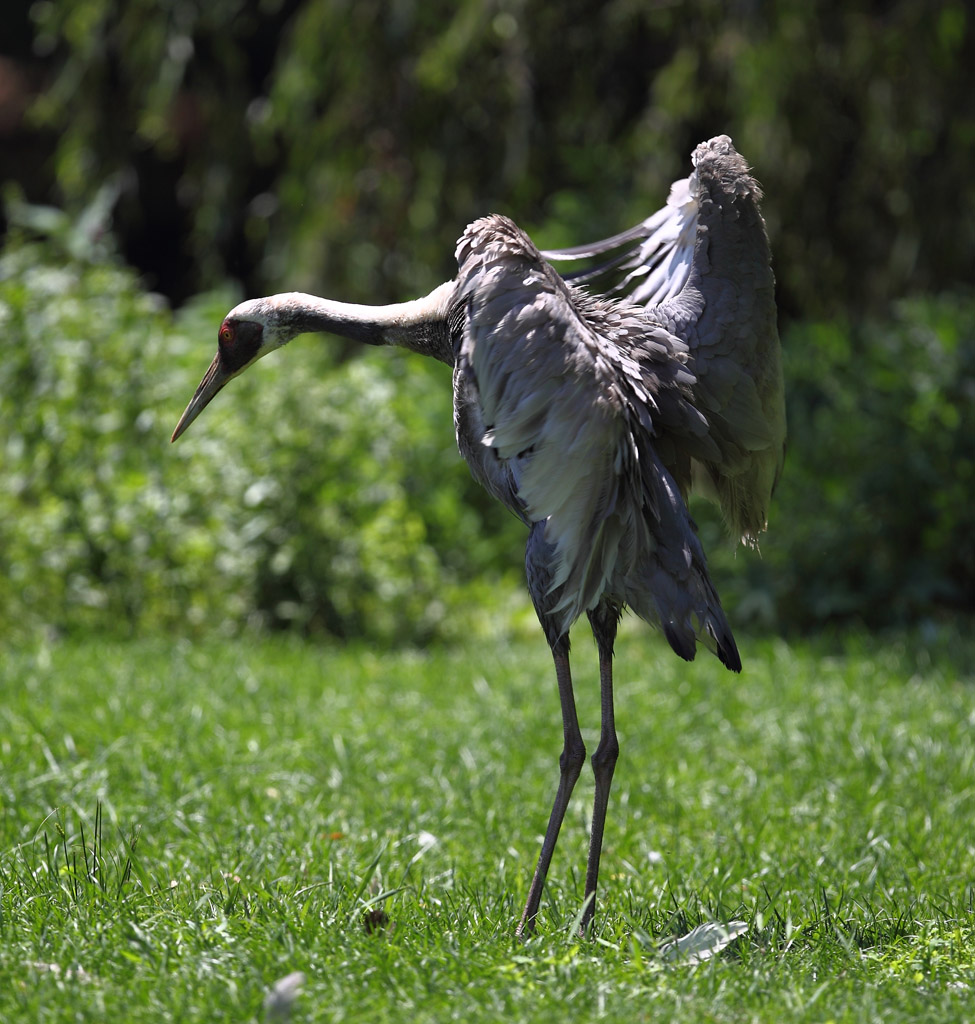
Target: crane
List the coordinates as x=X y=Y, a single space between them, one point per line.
x=592 y=405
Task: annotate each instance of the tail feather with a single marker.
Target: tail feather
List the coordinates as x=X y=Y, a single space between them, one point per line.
x=672 y=586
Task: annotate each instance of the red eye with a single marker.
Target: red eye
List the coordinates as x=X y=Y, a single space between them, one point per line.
x=227 y=333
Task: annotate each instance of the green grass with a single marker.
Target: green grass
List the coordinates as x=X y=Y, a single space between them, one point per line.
x=181 y=825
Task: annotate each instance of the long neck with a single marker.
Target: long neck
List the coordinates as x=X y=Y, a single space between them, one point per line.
x=420 y=325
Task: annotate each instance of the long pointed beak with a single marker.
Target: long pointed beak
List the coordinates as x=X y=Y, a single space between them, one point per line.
x=213 y=380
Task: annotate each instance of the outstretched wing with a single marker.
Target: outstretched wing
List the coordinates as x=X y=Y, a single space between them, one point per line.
x=702 y=268
x=650 y=262
x=558 y=397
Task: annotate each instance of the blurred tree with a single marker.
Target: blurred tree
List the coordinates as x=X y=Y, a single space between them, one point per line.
x=342 y=146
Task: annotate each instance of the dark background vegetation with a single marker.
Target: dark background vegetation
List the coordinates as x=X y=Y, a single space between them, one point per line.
x=162 y=160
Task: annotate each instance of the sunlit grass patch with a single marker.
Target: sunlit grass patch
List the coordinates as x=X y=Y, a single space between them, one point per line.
x=184 y=826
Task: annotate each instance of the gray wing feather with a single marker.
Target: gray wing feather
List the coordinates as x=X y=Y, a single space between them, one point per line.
x=655 y=256
x=672 y=585
x=702 y=268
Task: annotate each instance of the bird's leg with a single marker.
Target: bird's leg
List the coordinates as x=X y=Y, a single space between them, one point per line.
x=604 y=619
x=570 y=765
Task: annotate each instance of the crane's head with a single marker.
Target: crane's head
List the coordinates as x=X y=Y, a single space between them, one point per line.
x=248 y=332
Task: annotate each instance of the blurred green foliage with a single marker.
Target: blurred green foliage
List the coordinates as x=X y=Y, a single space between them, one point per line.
x=326 y=492
x=321 y=492
x=874 y=518
x=341 y=147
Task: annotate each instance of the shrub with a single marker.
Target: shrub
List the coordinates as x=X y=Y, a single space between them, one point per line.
x=325 y=492
x=874 y=518
x=318 y=491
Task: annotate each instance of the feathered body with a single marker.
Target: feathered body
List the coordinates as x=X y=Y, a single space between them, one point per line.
x=561 y=425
